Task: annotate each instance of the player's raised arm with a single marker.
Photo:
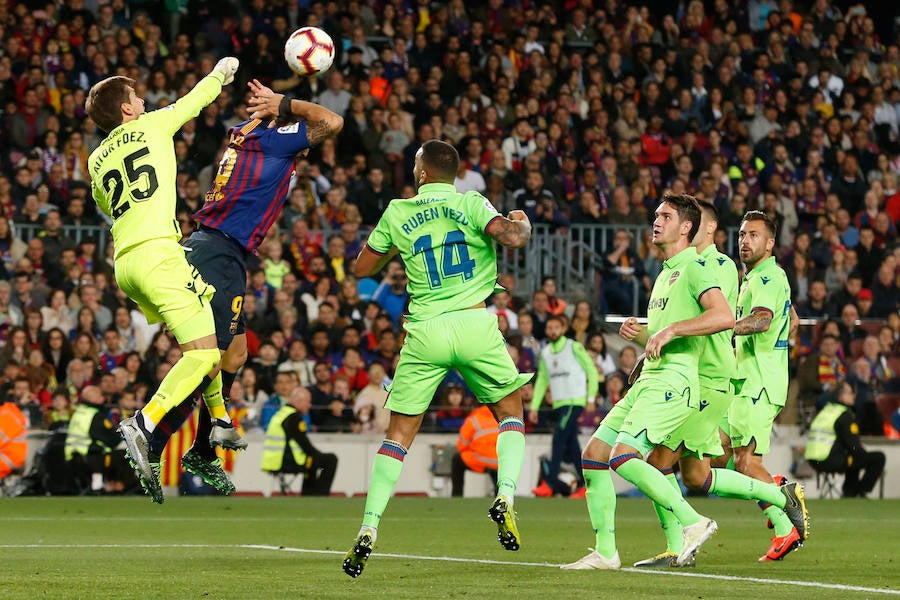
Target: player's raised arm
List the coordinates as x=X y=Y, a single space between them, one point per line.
x=512 y=231
x=206 y=90
x=321 y=123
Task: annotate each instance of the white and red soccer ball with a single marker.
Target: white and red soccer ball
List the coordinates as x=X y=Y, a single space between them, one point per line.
x=309 y=51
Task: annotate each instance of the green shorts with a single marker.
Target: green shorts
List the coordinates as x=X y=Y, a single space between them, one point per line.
x=700 y=434
x=659 y=410
x=466 y=340
x=167 y=289
x=611 y=424
x=750 y=419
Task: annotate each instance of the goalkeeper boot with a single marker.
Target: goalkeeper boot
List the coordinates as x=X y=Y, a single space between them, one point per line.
x=145 y=465
x=226 y=435
x=595 y=561
x=502 y=514
x=782 y=546
x=795 y=508
x=355 y=560
x=665 y=559
x=210 y=471
x=695 y=536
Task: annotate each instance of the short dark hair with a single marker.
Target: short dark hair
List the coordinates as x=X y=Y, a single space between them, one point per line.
x=688 y=210
x=758 y=215
x=709 y=209
x=558 y=318
x=105 y=99
x=441 y=158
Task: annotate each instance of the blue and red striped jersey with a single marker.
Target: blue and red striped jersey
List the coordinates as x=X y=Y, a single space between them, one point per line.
x=251 y=183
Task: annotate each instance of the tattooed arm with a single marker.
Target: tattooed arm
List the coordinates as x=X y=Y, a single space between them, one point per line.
x=795 y=323
x=321 y=123
x=513 y=231
x=757 y=321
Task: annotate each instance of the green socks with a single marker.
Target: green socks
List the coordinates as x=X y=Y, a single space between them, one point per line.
x=731 y=484
x=601 y=503
x=510 y=456
x=670 y=524
x=651 y=482
x=385 y=473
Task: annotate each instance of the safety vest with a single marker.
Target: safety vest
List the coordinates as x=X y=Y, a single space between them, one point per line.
x=477 y=443
x=273 y=447
x=821 y=433
x=13 y=447
x=567 y=379
x=78 y=437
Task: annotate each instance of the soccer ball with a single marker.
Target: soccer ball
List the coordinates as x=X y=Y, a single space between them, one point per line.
x=309 y=51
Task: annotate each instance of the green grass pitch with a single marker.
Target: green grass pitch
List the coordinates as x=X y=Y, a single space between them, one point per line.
x=249 y=548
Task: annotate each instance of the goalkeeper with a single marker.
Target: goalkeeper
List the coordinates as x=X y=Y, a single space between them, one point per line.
x=133 y=182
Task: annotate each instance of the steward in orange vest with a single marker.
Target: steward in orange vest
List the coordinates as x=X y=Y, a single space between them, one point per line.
x=13 y=447
x=477 y=448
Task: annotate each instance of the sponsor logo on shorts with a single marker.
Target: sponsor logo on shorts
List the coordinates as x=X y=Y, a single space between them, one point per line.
x=669 y=396
x=704 y=404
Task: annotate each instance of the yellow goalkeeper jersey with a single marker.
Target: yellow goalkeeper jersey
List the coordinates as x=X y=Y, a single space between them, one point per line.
x=133 y=170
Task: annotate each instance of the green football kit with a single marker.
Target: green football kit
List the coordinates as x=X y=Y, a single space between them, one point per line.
x=761 y=380
x=716 y=368
x=451 y=263
x=667 y=392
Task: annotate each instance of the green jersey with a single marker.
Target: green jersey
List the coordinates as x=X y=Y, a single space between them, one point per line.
x=676 y=297
x=762 y=358
x=717 y=362
x=450 y=260
x=133 y=170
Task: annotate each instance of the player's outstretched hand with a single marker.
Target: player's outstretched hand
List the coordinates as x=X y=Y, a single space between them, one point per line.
x=264 y=103
x=228 y=66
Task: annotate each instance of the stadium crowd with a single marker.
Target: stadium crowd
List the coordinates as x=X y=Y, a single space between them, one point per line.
x=578 y=112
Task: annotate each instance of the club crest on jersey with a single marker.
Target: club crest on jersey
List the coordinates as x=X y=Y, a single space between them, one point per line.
x=674 y=277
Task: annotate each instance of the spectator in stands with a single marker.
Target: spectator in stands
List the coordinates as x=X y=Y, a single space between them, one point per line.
x=391 y=294
x=852 y=332
x=821 y=371
x=885 y=294
x=816 y=303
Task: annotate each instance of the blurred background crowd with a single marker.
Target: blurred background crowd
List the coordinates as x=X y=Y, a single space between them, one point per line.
x=580 y=112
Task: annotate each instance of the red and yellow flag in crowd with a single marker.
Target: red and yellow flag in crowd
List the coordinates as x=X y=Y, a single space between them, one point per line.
x=182 y=439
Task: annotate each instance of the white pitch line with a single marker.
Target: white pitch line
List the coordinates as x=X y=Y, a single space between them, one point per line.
x=480 y=561
x=484 y=561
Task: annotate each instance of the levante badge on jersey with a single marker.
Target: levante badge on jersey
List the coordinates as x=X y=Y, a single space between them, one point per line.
x=674 y=277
